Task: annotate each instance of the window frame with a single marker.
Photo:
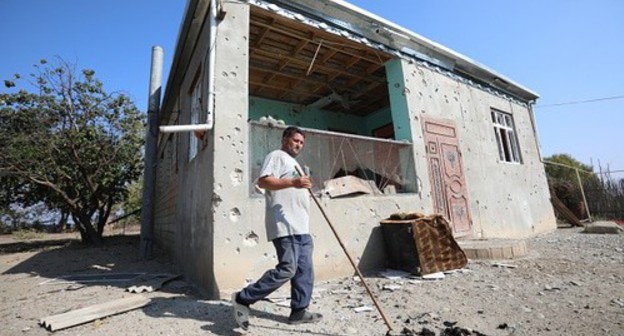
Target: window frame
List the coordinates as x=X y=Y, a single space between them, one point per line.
x=506 y=137
x=315 y=155
x=195 y=95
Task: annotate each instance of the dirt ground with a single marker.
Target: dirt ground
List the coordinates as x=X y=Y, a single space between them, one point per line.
x=571 y=283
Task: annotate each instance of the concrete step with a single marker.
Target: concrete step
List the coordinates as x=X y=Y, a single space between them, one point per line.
x=493 y=248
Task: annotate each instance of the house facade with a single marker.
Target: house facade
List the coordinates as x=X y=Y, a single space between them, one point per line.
x=423 y=127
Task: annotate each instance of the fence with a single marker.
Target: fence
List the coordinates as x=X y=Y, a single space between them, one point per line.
x=598 y=195
x=607 y=199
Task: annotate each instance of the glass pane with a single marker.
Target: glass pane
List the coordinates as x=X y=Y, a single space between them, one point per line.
x=508 y=121
x=499 y=142
x=514 y=147
x=500 y=119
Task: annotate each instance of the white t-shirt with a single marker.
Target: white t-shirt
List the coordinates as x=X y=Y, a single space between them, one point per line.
x=287 y=210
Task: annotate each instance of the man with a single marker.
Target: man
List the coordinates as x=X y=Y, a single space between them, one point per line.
x=287 y=226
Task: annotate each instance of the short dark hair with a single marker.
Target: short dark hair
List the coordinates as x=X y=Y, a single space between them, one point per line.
x=290 y=131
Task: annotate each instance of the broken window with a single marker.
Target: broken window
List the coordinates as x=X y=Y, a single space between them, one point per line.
x=195 y=112
x=342 y=164
x=505 y=133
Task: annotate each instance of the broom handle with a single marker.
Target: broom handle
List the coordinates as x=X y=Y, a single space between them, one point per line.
x=357 y=270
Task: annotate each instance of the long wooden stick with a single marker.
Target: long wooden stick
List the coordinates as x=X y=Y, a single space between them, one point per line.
x=357 y=270
x=578 y=177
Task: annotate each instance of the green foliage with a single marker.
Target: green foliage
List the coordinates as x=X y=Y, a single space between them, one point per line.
x=135 y=197
x=70 y=145
x=564 y=181
x=561 y=174
x=605 y=196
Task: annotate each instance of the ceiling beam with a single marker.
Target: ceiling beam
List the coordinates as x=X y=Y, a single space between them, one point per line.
x=359 y=50
x=326 y=68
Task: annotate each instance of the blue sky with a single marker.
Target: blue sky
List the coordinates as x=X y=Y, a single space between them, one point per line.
x=566 y=51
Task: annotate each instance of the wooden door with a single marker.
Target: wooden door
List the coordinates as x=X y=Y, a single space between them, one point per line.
x=446 y=173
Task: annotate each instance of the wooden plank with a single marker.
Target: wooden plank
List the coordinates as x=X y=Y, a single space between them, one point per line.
x=91 y=313
x=563 y=210
x=347 y=185
x=293 y=30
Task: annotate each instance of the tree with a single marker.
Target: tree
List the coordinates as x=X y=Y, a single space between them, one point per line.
x=561 y=173
x=563 y=179
x=70 y=145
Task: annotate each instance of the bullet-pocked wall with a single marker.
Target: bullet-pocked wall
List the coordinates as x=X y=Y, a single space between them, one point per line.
x=507 y=199
x=218 y=226
x=230 y=206
x=241 y=249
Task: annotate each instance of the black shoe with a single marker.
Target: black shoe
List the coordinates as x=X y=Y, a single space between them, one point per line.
x=304 y=316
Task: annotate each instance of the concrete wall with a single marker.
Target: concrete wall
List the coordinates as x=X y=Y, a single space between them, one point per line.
x=241 y=249
x=507 y=200
x=183 y=218
x=237 y=220
x=166 y=194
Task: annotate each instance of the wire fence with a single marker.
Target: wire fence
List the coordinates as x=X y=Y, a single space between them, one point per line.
x=607 y=199
x=591 y=195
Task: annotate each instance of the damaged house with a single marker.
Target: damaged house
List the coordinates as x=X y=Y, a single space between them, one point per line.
x=394 y=123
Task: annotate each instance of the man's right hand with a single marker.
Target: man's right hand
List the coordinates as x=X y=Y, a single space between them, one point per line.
x=302 y=182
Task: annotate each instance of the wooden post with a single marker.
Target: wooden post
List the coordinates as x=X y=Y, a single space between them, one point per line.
x=578 y=177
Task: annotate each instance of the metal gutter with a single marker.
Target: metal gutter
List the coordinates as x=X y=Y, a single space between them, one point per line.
x=212 y=51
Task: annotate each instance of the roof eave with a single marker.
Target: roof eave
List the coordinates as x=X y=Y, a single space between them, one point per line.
x=349 y=17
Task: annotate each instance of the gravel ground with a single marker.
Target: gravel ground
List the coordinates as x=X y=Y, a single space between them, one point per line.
x=571 y=283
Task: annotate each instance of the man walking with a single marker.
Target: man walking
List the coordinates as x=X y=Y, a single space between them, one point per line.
x=287 y=226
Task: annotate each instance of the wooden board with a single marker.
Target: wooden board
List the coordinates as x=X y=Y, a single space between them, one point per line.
x=563 y=210
x=350 y=184
x=91 y=313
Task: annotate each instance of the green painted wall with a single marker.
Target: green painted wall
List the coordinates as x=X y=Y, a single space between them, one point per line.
x=398 y=101
x=299 y=115
x=377 y=119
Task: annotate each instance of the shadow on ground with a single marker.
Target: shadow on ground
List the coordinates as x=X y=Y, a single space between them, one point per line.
x=69 y=257
x=217 y=317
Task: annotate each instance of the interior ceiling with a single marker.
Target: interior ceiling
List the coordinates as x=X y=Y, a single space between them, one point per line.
x=287 y=64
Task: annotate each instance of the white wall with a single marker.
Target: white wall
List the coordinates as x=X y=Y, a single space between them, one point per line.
x=507 y=200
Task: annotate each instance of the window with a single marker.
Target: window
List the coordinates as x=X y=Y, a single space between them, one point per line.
x=505 y=133
x=386 y=165
x=195 y=112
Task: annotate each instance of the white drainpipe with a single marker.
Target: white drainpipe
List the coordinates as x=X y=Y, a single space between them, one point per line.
x=211 y=80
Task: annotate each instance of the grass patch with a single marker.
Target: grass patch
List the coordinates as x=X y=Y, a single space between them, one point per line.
x=27 y=234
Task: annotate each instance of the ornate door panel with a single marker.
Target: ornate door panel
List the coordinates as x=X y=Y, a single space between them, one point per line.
x=446 y=173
